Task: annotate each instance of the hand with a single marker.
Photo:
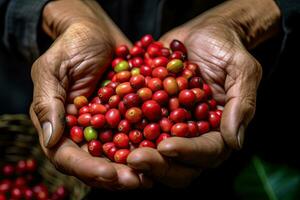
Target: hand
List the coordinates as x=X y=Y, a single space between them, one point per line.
x=72 y=66
x=217 y=45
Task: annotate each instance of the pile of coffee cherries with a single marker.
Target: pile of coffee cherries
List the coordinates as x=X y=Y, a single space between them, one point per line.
x=151 y=93
x=21 y=181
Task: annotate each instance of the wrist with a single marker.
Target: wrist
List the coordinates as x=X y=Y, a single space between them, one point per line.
x=253 y=21
x=61 y=14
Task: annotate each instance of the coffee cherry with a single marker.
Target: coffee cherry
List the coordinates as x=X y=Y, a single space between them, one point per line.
x=144 y=94
x=187 y=98
x=123 y=76
x=160 y=62
x=90 y=134
x=114 y=101
x=97 y=108
x=8 y=170
x=212 y=104
x=203 y=127
x=116 y=61
x=122 y=108
x=95 y=147
x=165 y=52
x=113 y=117
x=141 y=124
x=16 y=193
x=84 y=109
x=76 y=134
x=135 y=136
x=146 y=40
x=121 y=66
x=186 y=73
x=214 y=119
x=193 y=129
x=121 y=156
x=21 y=167
x=178 y=115
x=71 y=120
x=160 y=72
x=170 y=86
x=31 y=165
x=155 y=84
x=175 y=66
x=151 y=110
x=145 y=70
x=107 y=146
x=199 y=94
x=136 y=51
x=196 y=82
x=98 y=121
x=151 y=131
x=80 y=101
x=136 y=62
x=173 y=103
x=122 y=51
x=153 y=50
x=161 y=97
x=121 y=140
x=137 y=81
x=180 y=130
x=84 y=119
x=131 y=100
x=134 y=115
x=123 y=89
x=182 y=83
x=207 y=90
x=5 y=186
x=177 y=55
x=162 y=137
x=28 y=194
x=176 y=45
x=165 y=125
x=106 y=136
x=105 y=93
x=219 y=112
x=201 y=111
x=147 y=143
x=124 y=126
x=135 y=71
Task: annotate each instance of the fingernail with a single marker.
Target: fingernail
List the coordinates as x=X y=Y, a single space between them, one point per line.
x=241 y=136
x=47 y=131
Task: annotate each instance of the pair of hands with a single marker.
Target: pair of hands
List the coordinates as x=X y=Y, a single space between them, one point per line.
x=85 y=39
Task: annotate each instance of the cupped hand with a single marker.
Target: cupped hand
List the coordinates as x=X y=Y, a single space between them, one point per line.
x=83 y=47
x=234 y=76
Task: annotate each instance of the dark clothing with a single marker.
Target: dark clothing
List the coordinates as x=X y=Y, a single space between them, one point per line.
x=272 y=127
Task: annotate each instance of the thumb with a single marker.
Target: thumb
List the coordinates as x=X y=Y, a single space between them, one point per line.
x=241 y=103
x=47 y=109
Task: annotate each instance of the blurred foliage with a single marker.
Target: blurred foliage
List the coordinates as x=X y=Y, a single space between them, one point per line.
x=264 y=180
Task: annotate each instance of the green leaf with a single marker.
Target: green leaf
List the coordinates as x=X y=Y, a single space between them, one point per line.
x=263 y=180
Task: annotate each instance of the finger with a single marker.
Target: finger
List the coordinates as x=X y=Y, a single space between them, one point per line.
x=48 y=103
x=207 y=150
x=152 y=163
x=241 y=102
x=72 y=160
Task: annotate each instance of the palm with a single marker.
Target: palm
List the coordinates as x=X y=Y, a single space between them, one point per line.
x=86 y=54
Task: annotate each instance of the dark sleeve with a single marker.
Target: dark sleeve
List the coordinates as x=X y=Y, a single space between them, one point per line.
x=20 y=30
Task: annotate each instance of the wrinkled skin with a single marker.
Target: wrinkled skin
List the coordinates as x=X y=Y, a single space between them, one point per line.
x=70 y=67
x=234 y=76
x=75 y=62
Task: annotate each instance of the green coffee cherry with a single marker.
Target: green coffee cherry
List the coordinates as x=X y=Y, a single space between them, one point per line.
x=122 y=66
x=175 y=66
x=90 y=133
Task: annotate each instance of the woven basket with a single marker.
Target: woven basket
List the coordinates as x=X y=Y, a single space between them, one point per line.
x=18 y=140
